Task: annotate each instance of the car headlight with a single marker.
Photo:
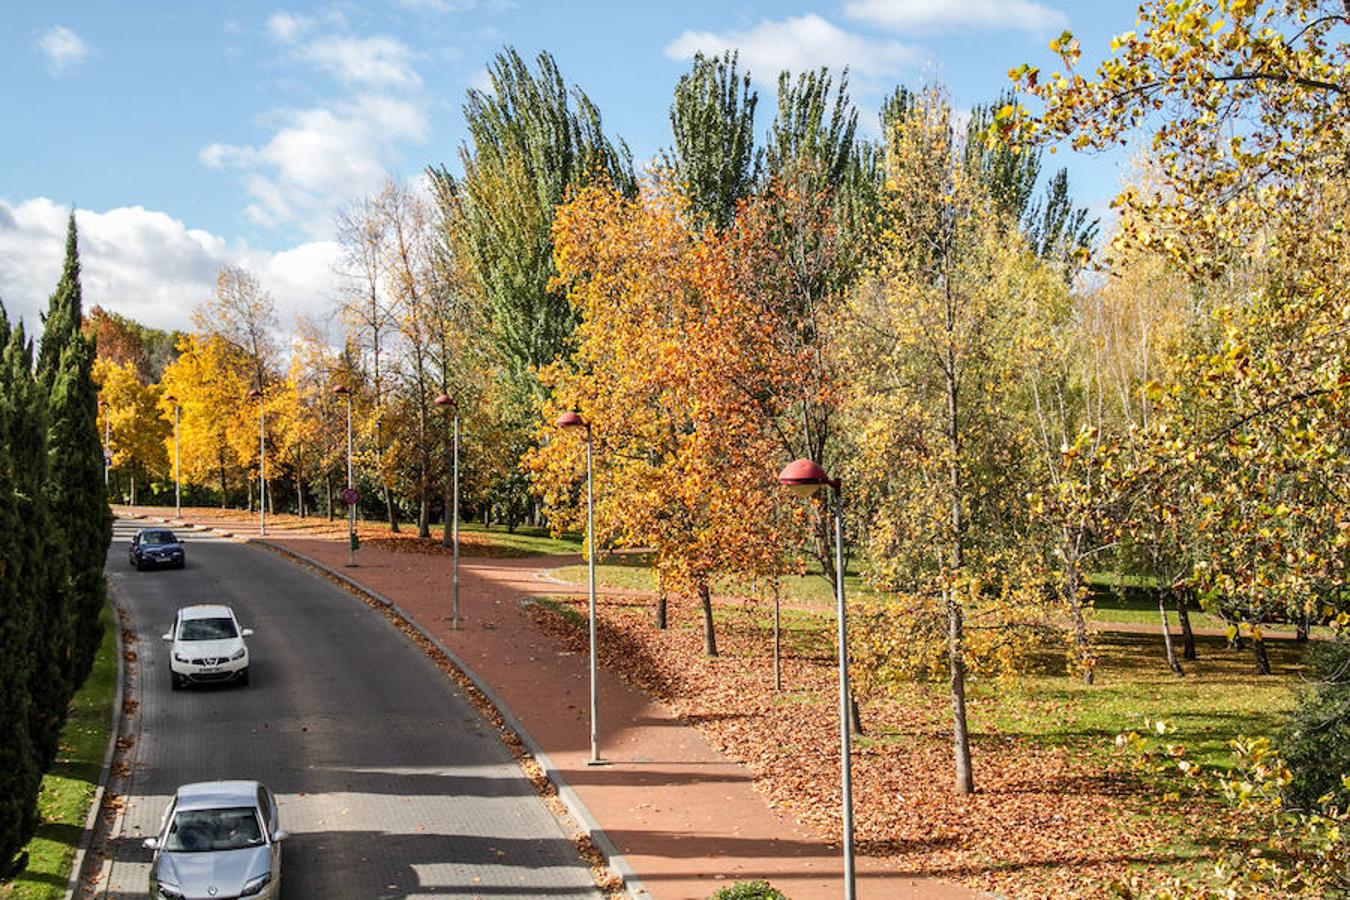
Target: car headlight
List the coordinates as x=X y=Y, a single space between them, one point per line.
x=256 y=885
x=238 y=654
x=180 y=658
x=170 y=890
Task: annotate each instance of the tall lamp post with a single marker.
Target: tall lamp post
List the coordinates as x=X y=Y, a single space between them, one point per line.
x=575 y=424
x=107 y=442
x=177 y=480
x=256 y=394
x=445 y=402
x=804 y=478
x=349 y=495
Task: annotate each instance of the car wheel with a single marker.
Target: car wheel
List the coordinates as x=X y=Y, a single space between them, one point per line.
x=140 y=567
x=175 y=681
x=243 y=677
x=182 y=564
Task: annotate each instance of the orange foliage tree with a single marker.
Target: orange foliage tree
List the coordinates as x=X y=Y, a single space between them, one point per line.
x=671 y=364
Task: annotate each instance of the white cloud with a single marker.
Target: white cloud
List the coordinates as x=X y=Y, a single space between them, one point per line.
x=946 y=15
x=320 y=157
x=62 y=47
x=449 y=6
x=147 y=265
x=288 y=27
x=798 y=44
x=379 y=61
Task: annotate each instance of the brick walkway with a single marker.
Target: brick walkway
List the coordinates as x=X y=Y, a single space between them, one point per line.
x=686 y=819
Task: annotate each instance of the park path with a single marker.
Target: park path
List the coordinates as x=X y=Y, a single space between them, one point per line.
x=685 y=818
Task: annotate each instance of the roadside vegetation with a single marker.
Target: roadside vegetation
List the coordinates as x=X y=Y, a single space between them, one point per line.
x=68 y=788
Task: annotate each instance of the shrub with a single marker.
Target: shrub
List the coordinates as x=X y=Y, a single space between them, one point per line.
x=749 y=890
x=1316 y=743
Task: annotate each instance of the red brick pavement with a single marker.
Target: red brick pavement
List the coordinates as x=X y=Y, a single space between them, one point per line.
x=685 y=818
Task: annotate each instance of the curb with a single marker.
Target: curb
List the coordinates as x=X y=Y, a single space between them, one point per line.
x=96 y=802
x=631 y=883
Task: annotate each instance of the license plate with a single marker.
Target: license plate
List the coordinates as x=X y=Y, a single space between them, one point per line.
x=209 y=670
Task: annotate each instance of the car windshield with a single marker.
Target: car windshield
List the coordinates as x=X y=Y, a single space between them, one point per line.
x=156 y=538
x=207 y=630
x=204 y=830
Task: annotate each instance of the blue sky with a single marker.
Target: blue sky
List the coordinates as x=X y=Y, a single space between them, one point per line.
x=193 y=134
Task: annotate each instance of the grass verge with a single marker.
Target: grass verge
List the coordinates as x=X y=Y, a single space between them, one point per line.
x=67 y=789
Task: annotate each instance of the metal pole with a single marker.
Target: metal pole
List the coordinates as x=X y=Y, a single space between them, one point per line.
x=177 y=470
x=845 y=747
x=107 y=446
x=454 y=523
x=351 y=507
x=262 y=466
x=595 y=759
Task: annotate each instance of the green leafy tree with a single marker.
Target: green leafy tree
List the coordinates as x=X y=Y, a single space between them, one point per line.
x=531 y=139
x=713 y=156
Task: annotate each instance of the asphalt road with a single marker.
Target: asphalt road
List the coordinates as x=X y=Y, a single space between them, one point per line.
x=389 y=782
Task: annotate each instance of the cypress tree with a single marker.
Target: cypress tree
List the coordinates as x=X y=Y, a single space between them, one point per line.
x=19 y=775
x=75 y=494
x=41 y=567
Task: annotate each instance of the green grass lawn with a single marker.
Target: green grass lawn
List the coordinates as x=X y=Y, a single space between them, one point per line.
x=68 y=788
x=631 y=571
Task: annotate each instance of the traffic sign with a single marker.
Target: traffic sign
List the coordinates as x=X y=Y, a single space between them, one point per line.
x=349 y=496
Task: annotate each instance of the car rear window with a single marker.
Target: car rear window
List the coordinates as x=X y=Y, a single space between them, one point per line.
x=207 y=630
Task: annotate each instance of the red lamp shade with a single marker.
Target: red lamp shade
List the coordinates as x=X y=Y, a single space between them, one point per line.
x=444 y=400
x=803 y=477
x=341 y=390
x=570 y=421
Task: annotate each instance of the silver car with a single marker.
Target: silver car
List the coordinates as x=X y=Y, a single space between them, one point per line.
x=219 y=840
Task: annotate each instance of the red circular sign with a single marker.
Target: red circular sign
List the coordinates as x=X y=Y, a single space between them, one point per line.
x=349 y=496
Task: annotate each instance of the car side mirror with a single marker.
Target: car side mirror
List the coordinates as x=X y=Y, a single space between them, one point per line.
x=150 y=843
x=168 y=635
x=247 y=632
x=281 y=834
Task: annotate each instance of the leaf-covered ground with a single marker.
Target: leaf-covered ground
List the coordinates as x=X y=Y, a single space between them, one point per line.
x=1056 y=813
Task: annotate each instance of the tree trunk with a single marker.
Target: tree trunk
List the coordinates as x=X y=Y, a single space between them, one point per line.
x=1081 y=644
x=299 y=489
x=1187 y=633
x=424 y=516
x=1172 y=662
x=224 y=486
x=709 y=635
x=661 y=609
x=855 y=718
x=1259 y=651
x=1302 y=629
x=328 y=494
x=133 y=488
x=965 y=777
x=391 y=510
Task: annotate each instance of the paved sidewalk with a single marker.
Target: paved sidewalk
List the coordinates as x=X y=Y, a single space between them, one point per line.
x=686 y=819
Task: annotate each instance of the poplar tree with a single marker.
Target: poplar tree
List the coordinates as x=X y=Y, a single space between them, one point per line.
x=712 y=121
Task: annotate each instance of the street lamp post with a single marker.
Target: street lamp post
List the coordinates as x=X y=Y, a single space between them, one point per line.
x=570 y=421
x=444 y=401
x=107 y=443
x=257 y=394
x=804 y=478
x=346 y=394
x=177 y=479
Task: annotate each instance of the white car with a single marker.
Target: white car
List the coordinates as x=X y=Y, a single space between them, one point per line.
x=208 y=645
x=218 y=839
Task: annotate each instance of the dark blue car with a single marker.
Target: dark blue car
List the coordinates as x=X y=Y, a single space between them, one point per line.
x=156 y=547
